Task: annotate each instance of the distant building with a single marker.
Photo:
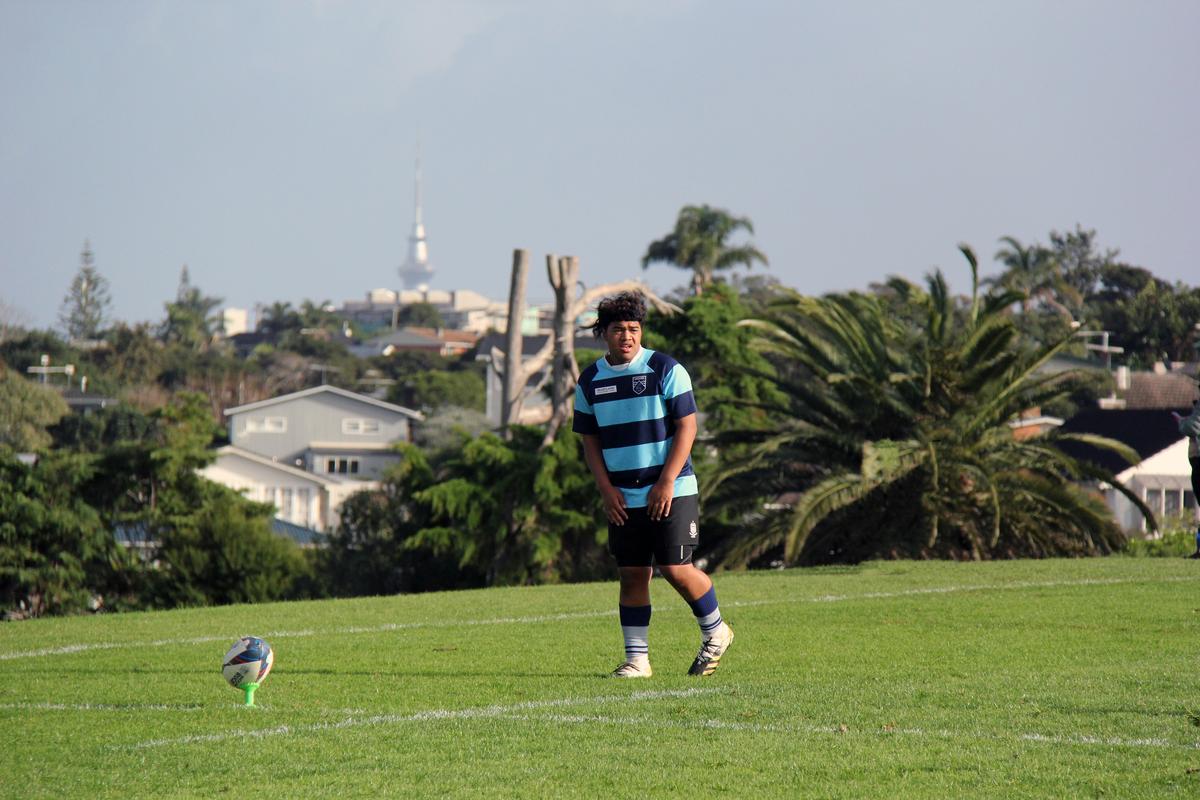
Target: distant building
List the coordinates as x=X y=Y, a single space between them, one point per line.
x=442 y=342
x=1138 y=415
x=416 y=271
x=234 y=321
x=460 y=309
x=307 y=451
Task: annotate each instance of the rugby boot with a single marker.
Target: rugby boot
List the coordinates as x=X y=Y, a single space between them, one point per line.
x=638 y=667
x=709 y=657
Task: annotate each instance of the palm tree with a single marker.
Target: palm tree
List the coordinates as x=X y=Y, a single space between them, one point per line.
x=280 y=318
x=699 y=243
x=1034 y=274
x=896 y=438
x=191 y=320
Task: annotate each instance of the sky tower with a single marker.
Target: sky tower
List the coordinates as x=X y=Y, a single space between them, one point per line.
x=416 y=272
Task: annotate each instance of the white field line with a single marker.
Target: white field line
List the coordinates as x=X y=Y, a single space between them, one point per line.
x=542 y=618
x=518 y=712
x=432 y=715
x=758 y=727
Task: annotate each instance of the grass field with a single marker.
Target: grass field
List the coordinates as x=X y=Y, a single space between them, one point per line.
x=1008 y=679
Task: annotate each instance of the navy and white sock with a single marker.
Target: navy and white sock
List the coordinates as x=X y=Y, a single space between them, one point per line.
x=708 y=615
x=635 y=626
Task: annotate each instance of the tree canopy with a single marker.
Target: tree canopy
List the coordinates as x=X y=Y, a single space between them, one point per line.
x=700 y=243
x=897 y=440
x=86 y=307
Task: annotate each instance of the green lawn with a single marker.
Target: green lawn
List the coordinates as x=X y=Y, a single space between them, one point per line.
x=1070 y=678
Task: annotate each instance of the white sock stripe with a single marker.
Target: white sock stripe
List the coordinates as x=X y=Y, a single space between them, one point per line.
x=637 y=640
x=710 y=621
x=534 y=619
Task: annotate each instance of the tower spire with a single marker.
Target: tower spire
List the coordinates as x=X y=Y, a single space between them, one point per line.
x=416 y=271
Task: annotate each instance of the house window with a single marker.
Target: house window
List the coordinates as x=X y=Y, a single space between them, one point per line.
x=360 y=426
x=342 y=466
x=266 y=425
x=303 y=498
x=1154 y=500
x=1189 y=499
x=1171 y=505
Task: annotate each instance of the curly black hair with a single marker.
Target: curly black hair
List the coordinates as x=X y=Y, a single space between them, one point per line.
x=624 y=307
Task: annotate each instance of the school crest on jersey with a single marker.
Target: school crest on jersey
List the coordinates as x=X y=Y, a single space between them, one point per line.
x=639 y=384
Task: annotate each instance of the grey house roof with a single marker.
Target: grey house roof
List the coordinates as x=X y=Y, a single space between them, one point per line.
x=322 y=389
x=287 y=469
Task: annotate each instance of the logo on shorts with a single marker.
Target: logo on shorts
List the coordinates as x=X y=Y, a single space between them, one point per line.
x=639 y=384
x=693 y=531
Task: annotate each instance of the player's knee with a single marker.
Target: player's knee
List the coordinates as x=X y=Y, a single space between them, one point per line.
x=635 y=577
x=675 y=574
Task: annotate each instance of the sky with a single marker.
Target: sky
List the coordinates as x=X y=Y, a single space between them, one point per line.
x=269 y=145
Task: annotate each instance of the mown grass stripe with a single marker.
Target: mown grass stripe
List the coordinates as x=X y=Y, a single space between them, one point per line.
x=565 y=617
x=95 y=707
x=432 y=715
x=759 y=727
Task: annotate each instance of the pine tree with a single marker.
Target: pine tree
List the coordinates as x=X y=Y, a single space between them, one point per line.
x=85 y=309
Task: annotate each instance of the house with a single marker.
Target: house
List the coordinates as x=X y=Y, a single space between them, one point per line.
x=307 y=451
x=1032 y=423
x=324 y=430
x=1163 y=481
x=1138 y=415
x=303 y=499
x=442 y=342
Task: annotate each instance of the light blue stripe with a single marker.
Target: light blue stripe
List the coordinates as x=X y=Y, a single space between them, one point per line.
x=581 y=402
x=676 y=382
x=633 y=409
x=685 y=486
x=637 y=456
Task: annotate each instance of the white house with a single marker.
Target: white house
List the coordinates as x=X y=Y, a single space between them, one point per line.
x=307 y=451
x=1163 y=482
x=302 y=498
x=325 y=430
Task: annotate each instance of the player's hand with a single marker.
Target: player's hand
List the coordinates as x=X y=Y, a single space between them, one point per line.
x=614 y=505
x=658 y=502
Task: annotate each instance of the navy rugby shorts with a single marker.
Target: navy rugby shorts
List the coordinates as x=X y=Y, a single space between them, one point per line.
x=643 y=542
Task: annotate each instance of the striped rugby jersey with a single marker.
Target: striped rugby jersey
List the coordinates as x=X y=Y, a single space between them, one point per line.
x=633 y=408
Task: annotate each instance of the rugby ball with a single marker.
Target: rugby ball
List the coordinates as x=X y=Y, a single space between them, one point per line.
x=248 y=661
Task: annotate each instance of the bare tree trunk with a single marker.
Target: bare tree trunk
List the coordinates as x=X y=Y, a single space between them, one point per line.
x=559 y=349
x=564 y=276
x=514 y=376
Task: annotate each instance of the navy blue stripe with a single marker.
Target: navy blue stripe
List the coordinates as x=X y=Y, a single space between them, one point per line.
x=585 y=423
x=681 y=405
x=589 y=374
x=630 y=433
x=633 y=478
x=661 y=363
x=634 y=616
x=705 y=604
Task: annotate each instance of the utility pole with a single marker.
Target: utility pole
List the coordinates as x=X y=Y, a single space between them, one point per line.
x=1103 y=347
x=45 y=369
